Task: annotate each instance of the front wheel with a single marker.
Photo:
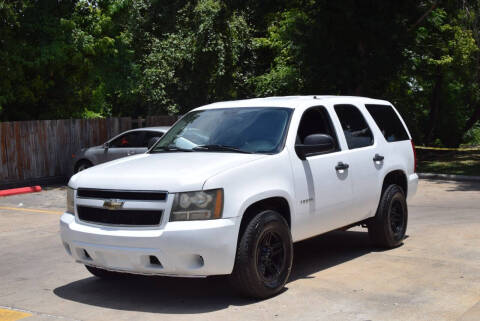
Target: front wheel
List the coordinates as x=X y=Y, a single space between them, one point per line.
x=387 y=229
x=264 y=256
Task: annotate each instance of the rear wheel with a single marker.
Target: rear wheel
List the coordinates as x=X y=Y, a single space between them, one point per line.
x=264 y=256
x=103 y=274
x=387 y=229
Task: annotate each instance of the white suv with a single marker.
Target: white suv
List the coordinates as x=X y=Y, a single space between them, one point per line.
x=231 y=185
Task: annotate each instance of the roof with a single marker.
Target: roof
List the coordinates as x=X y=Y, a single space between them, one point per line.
x=294 y=101
x=156 y=128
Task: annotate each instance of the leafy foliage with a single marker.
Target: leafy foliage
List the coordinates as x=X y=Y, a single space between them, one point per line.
x=98 y=58
x=202 y=58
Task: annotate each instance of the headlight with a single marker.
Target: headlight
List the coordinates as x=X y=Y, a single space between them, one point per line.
x=201 y=205
x=70 y=206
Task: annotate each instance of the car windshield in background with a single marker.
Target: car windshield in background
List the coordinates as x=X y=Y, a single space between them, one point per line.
x=236 y=130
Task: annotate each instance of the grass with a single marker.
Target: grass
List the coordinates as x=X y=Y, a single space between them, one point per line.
x=449 y=162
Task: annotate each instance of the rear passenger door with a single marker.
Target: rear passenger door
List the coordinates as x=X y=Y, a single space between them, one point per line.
x=362 y=148
x=395 y=144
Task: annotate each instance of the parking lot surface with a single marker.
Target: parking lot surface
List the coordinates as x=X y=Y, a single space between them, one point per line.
x=434 y=275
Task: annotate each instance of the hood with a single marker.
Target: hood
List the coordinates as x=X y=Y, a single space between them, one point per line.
x=172 y=172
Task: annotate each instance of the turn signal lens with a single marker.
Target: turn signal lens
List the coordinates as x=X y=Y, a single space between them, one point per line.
x=70 y=202
x=218 y=204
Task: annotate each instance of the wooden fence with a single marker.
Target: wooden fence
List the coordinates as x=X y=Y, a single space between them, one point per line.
x=36 y=151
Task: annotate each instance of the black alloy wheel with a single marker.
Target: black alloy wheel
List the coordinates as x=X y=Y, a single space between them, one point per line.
x=397 y=219
x=388 y=227
x=271 y=259
x=264 y=256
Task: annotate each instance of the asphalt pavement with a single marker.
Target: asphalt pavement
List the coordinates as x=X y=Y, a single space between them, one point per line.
x=434 y=275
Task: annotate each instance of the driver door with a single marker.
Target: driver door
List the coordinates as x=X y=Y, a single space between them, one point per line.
x=323 y=192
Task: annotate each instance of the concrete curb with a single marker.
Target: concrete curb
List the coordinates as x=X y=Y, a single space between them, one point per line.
x=449 y=177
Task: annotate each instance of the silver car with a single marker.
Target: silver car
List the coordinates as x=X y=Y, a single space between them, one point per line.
x=128 y=143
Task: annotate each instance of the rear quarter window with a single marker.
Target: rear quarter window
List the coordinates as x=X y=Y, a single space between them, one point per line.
x=355 y=128
x=387 y=120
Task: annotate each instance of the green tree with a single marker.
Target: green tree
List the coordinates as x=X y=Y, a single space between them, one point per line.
x=439 y=81
x=99 y=32
x=96 y=58
x=62 y=59
x=200 y=56
x=34 y=60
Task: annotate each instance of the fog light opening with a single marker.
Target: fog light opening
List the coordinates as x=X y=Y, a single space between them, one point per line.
x=197 y=262
x=87 y=256
x=154 y=261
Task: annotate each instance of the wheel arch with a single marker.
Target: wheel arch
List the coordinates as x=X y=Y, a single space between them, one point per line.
x=80 y=161
x=398 y=177
x=279 y=204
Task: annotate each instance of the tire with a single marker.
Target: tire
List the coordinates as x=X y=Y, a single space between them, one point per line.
x=82 y=165
x=104 y=274
x=387 y=229
x=264 y=256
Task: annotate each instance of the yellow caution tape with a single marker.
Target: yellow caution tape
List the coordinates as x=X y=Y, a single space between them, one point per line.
x=447 y=148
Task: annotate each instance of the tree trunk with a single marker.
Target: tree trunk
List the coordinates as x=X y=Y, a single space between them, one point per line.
x=472 y=120
x=433 y=6
x=434 y=108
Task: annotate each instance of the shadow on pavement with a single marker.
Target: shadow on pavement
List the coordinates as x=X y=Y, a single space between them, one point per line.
x=184 y=295
x=328 y=250
x=460 y=186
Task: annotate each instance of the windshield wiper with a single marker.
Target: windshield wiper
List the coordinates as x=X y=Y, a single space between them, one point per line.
x=220 y=148
x=170 y=149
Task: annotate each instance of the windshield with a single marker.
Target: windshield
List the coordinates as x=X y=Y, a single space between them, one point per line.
x=243 y=130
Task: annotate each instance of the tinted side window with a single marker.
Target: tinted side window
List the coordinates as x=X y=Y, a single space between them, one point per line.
x=388 y=122
x=149 y=135
x=315 y=121
x=356 y=130
x=127 y=140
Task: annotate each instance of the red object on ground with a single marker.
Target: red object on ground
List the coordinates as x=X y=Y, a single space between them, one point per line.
x=21 y=190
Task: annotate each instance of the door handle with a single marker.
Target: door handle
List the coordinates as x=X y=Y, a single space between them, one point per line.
x=378 y=158
x=341 y=166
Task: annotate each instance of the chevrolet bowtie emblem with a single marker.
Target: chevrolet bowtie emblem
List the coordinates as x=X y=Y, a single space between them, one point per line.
x=113 y=204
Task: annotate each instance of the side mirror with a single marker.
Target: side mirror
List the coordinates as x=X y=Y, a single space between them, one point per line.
x=315 y=144
x=152 y=141
x=105 y=146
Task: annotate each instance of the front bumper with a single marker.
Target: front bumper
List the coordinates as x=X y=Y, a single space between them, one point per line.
x=191 y=248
